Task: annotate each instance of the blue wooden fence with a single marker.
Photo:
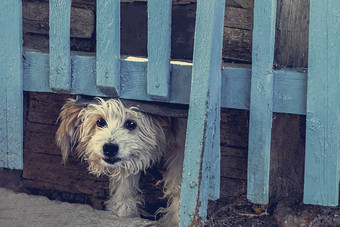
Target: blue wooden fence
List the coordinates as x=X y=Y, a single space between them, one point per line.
x=260 y=89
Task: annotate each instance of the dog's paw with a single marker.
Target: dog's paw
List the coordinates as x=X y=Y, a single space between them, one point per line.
x=171 y=213
x=123 y=209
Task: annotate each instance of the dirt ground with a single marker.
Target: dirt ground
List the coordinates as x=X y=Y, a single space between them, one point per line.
x=285 y=213
x=20 y=209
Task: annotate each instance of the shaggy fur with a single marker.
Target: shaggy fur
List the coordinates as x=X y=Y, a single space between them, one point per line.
x=136 y=141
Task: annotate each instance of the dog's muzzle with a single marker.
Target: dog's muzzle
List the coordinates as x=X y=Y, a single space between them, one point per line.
x=110 y=151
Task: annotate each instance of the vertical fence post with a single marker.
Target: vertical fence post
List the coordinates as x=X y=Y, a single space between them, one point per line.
x=11 y=86
x=60 y=58
x=159 y=42
x=323 y=97
x=108 y=47
x=261 y=101
x=202 y=148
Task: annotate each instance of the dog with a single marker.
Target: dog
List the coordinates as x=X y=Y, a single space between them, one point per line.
x=122 y=143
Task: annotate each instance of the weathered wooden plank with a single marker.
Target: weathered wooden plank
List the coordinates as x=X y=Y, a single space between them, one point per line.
x=201 y=150
x=35 y=20
x=238 y=18
x=291 y=45
x=60 y=59
x=159 y=41
x=11 y=86
x=322 y=123
x=290 y=89
x=237 y=40
x=233 y=167
x=238 y=44
x=289 y=85
x=236 y=87
x=108 y=47
x=287 y=156
x=245 y=3
x=261 y=101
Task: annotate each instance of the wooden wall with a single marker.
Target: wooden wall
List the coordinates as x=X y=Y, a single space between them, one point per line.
x=43 y=172
x=291 y=29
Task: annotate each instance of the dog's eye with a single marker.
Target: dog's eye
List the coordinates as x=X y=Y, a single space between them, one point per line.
x=101 y=123
x=130 y=125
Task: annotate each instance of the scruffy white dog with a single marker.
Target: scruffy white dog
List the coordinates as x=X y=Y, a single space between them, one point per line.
x=122 y=143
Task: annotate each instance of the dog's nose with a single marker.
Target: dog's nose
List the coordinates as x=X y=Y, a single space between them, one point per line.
x=110 y=150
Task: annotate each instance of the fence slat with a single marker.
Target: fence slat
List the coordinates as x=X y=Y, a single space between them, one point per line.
x=201 y=142
x=60 y=59
x=261 y=101
x=323 y=92
x=108 y=47
x=11 y=86
x=159 y=42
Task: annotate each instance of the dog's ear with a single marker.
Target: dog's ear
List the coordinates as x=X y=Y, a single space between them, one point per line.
x=165 y=122
x=65 y=136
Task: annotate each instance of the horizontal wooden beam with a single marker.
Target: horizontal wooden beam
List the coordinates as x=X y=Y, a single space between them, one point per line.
x=289 y=89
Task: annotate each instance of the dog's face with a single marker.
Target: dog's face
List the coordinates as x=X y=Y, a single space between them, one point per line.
x=111 y=137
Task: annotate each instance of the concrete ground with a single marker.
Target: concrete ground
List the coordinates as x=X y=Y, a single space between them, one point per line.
x=22 y=210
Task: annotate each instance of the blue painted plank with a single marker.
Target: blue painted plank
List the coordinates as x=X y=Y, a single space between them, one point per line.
x=159 y=42
x=261 y=101
x=11 y=86
x=60 y=60
x=322 y=125
x=205 y=94
x=36 y=72
x=289 y=85
x=108 y=47
x=290 y=89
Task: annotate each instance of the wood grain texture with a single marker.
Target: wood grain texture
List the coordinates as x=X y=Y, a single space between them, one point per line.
x=11 y=86
x=237 y=39
x=159 y=41
x=291 y=44
x=35 y=17
x=245 y=3
x=108 y=47
x=287 y=157
x=60 y=59
x=322 y=130
x=261 y=102
x=291 y=31
x=202 y=151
